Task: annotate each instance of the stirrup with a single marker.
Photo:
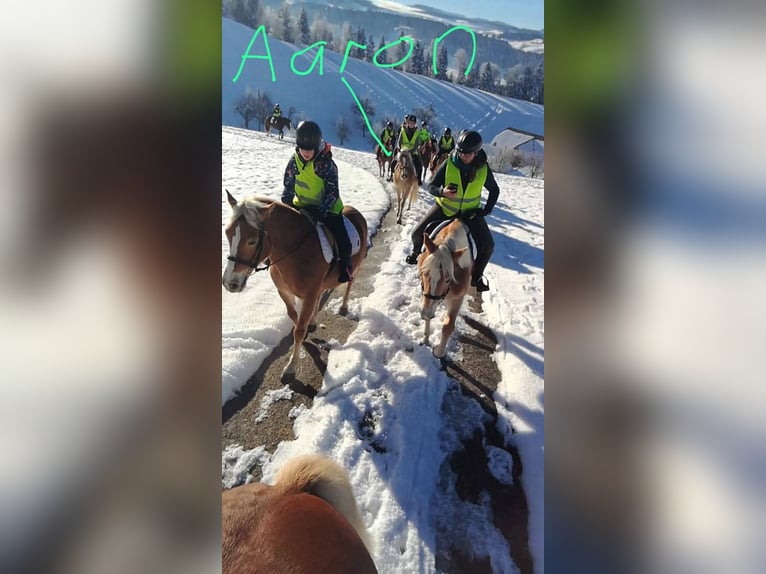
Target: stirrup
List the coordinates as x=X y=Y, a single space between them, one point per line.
x=412 y=258
x=480 y=284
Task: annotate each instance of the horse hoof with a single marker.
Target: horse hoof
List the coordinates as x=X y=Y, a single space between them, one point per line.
x=439 y=353
x=343 y=311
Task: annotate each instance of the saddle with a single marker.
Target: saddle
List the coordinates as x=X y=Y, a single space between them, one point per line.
x=327 y=241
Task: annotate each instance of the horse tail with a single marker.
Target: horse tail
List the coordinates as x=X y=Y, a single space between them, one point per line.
x=320 y=476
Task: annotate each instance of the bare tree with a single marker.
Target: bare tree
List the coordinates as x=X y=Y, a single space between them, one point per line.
x=342 y=129
x=426 y=113
x=245 y=107
x=535 y=164
x=369 y=110
x=263 y=106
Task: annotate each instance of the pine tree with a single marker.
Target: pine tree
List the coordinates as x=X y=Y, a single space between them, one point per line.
x=417 y=64
x=382 y=57
x=487 y=78
x=303 y=27
x=370 y=49
x=401 y=52
x=442 y=63
x=287 y=24
x=472 y=79
x=361 y=38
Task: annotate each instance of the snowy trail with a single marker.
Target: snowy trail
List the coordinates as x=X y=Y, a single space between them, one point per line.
x=381 y=412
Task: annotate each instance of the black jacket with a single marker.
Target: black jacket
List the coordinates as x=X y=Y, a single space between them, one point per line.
x=467 y=173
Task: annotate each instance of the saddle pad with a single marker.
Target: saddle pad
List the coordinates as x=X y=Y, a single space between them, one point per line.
x=324 y=242
x=435 y=227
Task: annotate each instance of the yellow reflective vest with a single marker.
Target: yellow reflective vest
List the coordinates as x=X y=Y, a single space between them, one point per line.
x=466 y=199
x=407 y=143
x=309 y=187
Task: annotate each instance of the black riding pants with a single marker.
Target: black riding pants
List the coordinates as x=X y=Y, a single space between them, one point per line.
x=336 y=225
x=485 y=245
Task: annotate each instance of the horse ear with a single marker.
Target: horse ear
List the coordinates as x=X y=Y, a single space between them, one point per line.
x=230 y=197
x=430 y=245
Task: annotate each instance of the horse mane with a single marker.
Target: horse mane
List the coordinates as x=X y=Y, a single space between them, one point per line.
x=440 y=259
x=250 y=208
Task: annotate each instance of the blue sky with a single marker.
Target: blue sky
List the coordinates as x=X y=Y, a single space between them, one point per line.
x=520 y=13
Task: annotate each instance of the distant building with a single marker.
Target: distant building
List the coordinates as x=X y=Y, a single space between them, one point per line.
x=500 y=150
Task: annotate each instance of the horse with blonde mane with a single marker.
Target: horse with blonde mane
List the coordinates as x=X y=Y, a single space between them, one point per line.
x=308 y=522
x=405 y=182
x=262 y=228
x=445 y=274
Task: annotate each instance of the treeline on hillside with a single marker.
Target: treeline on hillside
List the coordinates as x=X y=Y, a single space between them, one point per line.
x=523 y=80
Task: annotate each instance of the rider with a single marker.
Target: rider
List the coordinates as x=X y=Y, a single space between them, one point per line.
x=277 y=113
x=408 y=140
x=457 y=187
x=425 y=135
x=386 y=136
x=446 y=145
x=311 y=184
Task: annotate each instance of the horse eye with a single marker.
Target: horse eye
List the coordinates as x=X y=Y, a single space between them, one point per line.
x=251 y=242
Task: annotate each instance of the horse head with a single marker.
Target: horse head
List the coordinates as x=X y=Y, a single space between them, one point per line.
x=246 y=238
x=404 y=164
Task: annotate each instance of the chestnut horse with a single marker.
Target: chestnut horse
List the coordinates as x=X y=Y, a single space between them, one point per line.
x=426 y=151
x=308 y=522
x=437 y=161
x=385 y=160
x=445 y=273
x=278 y=124
x=262 y=228
x=405 y=182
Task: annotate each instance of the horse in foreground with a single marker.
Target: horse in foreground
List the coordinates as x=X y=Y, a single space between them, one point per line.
x=445 y=274
x=385 y=160
x=278 y=124
x=262 y=228
x=308 y=522
x=405 y=182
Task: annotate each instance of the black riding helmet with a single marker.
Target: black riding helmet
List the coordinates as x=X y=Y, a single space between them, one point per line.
x=423 y=124
x=308 y=135
x=389 y=124
x=447 y=132
x=468 y=142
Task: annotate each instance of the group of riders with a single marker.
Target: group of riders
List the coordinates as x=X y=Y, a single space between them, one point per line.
x=410 y=139
x=311 y=185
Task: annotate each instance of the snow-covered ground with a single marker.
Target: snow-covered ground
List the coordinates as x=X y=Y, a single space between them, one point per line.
x=381 y=369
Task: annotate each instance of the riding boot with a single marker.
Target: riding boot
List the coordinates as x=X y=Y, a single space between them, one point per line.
x=346 y=269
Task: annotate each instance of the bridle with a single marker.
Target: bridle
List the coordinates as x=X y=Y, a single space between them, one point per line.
x=434 y=297
x=253 y=263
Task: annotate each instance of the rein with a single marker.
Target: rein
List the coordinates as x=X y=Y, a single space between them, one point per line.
x=253 y=263
x=434 y=297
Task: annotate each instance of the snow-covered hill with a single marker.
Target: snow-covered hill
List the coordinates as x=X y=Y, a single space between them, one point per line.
x=325 y=98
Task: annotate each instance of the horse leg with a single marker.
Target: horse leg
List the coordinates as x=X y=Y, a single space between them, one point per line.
x=427 y=333
x=285 y=295
x=300 y=329
x=448 y=328
x=344 y=306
